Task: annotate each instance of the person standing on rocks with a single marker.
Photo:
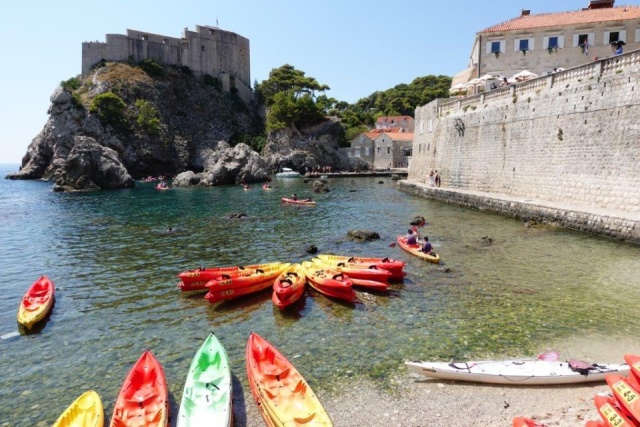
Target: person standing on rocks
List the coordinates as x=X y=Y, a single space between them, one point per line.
x=436 y=177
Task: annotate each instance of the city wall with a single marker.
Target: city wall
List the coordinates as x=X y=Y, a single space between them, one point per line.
x=567 y=138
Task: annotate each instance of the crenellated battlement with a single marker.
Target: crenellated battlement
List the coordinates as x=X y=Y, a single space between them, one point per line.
x=207 y=50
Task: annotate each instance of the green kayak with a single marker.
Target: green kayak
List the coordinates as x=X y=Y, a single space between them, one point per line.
x=206 y=400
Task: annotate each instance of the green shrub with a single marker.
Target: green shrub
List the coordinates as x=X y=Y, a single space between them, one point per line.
x=212 y=81
x=76 y=100
x=109 y=107
x=147 y=117
x=151 y=67
x=72 y=84
x=186 y=70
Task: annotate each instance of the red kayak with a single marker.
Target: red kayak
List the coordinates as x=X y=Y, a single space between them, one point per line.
x=625 y=394
x=329 y=282
x=610 y=412
x=298 y=201
x=245 y=279
x=215 y=295
x=372 y=285
x=36 y=302
x=196 y=279
x=289 y=286
x=144 y=396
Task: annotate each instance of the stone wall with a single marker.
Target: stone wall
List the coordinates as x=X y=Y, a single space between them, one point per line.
x=208 y=50
x=572 y=136
x=596 y=222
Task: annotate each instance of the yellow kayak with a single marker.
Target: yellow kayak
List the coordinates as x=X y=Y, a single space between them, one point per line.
x=414 y=249
x=86 y=411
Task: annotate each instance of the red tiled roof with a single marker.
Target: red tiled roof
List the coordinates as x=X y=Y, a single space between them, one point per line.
x=370 y=135
x=400 y=136
x=561 y=19
x=389 y=129
x=393 y=118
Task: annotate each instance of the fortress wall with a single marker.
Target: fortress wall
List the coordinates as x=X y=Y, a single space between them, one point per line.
x=208 y=50
x=572 y=137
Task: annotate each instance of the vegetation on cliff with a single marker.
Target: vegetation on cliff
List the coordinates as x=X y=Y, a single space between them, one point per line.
x=292 y=99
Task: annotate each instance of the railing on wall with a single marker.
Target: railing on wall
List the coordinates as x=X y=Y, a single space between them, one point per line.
x=595 y=69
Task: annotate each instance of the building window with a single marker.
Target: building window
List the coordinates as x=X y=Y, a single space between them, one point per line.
x=366 y=151
x=145 y=37
x=388 y=150
x=378 y=150
x=165 y=41
x=583 y=40
x=614 y=36
x=553 y=42
x=495 y=47
x=202 y=48
x=524 y=44
x=210 y=32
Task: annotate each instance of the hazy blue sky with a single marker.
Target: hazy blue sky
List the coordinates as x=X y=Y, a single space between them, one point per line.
x=354 y=46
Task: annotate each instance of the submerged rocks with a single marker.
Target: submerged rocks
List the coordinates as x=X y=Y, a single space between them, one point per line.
x=362 y=235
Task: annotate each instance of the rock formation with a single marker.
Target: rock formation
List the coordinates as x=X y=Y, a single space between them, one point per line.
x=171 y=124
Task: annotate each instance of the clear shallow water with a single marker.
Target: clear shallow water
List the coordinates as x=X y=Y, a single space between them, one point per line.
x=115 y=267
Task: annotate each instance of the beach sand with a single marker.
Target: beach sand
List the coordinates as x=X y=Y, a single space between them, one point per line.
x=409 y=399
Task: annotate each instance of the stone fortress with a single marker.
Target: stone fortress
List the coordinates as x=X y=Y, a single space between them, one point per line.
x=207 y=50
x=562 y=149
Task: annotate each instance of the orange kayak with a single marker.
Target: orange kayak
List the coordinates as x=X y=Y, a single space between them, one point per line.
x=283 y=396
x=196 y=279
x=415 y=250
x=289 y=286
x=37 y=302
x=525 y=422
x=144 y=396
x=259 y=275
x=626 y=396
x=366 y=273
x=331 y=283
x=634 y=362
x=610 y=413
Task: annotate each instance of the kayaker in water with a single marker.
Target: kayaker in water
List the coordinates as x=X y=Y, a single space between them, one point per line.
x=294 y=196
x=411 y=237
x=427 y=248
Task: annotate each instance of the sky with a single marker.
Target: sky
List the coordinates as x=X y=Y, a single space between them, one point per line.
x=356 y=47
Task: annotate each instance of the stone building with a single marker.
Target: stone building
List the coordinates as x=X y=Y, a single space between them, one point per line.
x=543 y=42
x=392 y=149
x=207 y=50
x=405 y=123
x=362 y=147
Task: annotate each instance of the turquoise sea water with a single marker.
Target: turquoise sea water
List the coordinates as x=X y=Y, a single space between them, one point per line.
x=114 y=267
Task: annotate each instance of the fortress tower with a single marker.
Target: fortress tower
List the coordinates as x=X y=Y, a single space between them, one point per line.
x=207 y=50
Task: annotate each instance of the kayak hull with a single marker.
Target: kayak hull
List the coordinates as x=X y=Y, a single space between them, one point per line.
x=282 y=394
x=242 y=280
x=513 y=372
x=215 y=295
x=355 y=272
x=298 y=202
x=331 y=283
x=288 y=287
x=37 y=302
x=144 y=395
x=86 y=411
x=415 y=251
x=207 y=394
x=196 y=279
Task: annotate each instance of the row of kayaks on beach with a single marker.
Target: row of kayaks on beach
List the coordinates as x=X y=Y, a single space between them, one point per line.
x=283 y=396
x=331 y=275
x=620 y=407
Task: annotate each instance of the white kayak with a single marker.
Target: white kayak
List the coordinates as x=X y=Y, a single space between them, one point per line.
x=516 y=372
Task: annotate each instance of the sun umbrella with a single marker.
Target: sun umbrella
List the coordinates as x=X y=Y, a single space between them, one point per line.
x=524 y=75
x=487 y=77
x=457 y=87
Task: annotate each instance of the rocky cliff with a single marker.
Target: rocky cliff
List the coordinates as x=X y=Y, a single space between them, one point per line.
x=119 y=124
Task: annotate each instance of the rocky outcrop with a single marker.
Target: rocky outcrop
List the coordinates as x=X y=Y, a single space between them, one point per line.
x=230 y=165
x=185 y=128
x=91 y=166
x=307 y=149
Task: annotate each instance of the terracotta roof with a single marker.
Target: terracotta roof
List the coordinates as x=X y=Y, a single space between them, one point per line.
x=370 y=135
x=387 y=129
x=393 y=118
x=400 y=136
x=562 y=19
